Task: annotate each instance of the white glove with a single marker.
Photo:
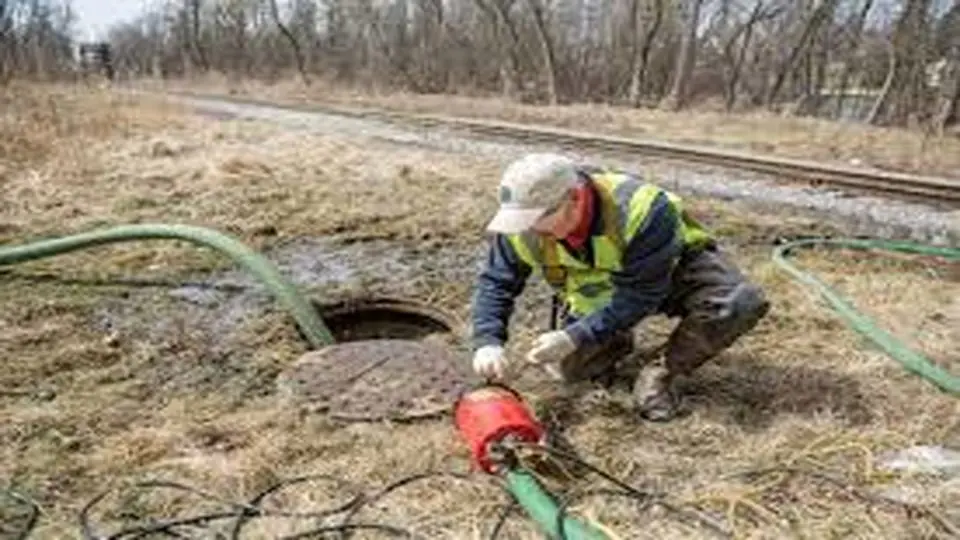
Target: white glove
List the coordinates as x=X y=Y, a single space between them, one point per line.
x=551 y=348
x=489 y=361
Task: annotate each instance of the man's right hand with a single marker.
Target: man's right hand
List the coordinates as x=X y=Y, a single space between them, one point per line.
x=490 y=362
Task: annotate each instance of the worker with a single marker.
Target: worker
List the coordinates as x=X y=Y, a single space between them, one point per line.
x=616 y=250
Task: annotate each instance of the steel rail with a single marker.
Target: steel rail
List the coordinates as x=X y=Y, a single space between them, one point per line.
x=927 y=188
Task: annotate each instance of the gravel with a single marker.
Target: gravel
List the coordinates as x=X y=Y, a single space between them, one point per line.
x=859 y=215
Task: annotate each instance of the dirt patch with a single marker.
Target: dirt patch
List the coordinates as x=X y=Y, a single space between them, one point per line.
x=337 y=273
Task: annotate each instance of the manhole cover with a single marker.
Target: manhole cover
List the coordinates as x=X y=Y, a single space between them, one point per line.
x=377 y=379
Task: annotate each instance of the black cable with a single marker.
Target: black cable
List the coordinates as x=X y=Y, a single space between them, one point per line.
x=32 y=517
x=626 y=490
x=85 y=529
x=46 y=277
x=556 y=452
x=244 y=517
x=241 y=512
x=405 y=481
x=322 y=532
x=166 y=526
x=505 y=512
x=563 y=506
x=244 y=513
x=89 y=533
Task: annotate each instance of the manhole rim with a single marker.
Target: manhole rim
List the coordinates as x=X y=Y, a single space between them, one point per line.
x=357 y=304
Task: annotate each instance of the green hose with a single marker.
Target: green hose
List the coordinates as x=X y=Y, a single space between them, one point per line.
x=313 y=327
x=542 y=508
x=910 y=359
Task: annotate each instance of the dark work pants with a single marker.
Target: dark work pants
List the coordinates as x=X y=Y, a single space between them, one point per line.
x=716 y=304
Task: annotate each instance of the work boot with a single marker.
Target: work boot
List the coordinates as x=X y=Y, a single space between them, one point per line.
x=653 y=393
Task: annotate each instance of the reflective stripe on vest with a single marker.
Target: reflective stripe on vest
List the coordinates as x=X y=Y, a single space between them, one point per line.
x=625 y=203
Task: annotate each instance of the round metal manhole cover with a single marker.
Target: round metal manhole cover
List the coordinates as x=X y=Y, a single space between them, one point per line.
x=380 y=379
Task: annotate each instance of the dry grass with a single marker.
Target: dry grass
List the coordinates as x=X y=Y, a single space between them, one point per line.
x=758 y=132
x=83 y=409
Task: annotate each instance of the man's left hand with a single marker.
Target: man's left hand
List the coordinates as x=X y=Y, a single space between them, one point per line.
x=551 y=348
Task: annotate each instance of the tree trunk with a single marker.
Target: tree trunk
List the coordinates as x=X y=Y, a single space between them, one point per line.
x=854 y=44
x=8 y=43
x=904 y=97
x=686 y=60
x=641 y=57
x=294 y=44
x=546 y=46
x=399 y=65
x=503 y=26
x=948 y=108
x=195 y=36
x=887 y=86
x=819 y=16
x=730 y=91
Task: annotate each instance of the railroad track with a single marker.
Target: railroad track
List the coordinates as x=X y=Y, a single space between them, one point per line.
x=943 y=192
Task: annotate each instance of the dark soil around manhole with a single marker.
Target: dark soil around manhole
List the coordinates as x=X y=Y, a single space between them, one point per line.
x=226 y=335
x=224 y=306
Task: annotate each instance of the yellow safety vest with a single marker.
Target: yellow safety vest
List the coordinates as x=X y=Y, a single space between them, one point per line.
x=625 y=202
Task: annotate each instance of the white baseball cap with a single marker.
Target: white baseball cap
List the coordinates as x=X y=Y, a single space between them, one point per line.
x=529 y=188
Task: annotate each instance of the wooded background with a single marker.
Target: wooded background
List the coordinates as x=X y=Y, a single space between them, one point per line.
x=891 y=62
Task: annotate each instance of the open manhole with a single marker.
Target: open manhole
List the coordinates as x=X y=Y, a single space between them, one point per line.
x=356 y=319
x=394 y=359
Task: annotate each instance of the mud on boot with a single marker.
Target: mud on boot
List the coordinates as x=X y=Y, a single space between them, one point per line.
x=654 y=395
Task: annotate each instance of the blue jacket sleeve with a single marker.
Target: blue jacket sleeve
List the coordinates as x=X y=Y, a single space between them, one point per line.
x=501 y=280
x=644 y=282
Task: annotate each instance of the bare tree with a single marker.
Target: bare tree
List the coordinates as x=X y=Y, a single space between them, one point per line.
x=294 y=44
x=35 y=40
x=948 y=44
x=855 y=29
x=194 y=35
x=903 y=93
x=507 y=40
x=687 y=57
x=538 y=9
x=822 y=12
x=742 y=33
x=746 y=53
x=643 y=44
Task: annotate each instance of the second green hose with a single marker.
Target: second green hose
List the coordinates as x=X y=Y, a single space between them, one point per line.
x=896 y=349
